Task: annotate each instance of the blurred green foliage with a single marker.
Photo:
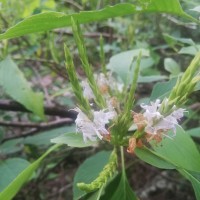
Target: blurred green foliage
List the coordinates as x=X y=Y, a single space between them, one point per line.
x=170 y=42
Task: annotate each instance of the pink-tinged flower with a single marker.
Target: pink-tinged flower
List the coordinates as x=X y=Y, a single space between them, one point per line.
x=156 y=122
x=92 y=130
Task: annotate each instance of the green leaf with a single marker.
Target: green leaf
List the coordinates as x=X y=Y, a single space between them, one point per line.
x=151 y=78
x=180 y=151
x=15 y=85
x=40 y=139
x=72 y=140
x=116 y=189
x=172 y=66
x=153 y=159
x=162 y=90
x=195 y=132
x=89 y=170
x=11 y=190
x=11 y=146
x=172 y=41
x=194 y=181
x=94 y=195
x=121 y=63
x=9 y=169
x=51 y=20
x=123 y=190
x=197 y=87
x=29 y=9
x=44 y=137
x=190 y=50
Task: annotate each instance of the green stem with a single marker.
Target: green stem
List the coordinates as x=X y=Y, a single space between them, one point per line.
x=122 y=160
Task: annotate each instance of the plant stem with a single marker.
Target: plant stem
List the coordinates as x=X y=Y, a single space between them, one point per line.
x=122 y=160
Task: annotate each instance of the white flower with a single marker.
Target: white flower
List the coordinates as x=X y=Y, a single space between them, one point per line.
x=85 y=125
x=96 y=128
x=100 y=120
x=156 y=122
x=87 y=91
x=151 y=114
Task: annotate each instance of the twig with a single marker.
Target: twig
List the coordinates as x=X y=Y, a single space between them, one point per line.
x=48 y=99
x=190 y=25
x=52 y=65
x=56 y=110
x=4 y=20
x=195 y=106
x=37 y=127
x=91 y=35
x=76 y=5
x=56 y=123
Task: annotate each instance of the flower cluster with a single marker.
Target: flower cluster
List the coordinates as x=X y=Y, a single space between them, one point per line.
x=153 y=124
x=158 y=122
x=91 y=129
x=95 y=128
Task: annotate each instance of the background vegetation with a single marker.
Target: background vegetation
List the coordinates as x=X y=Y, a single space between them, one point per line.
x=34 y=65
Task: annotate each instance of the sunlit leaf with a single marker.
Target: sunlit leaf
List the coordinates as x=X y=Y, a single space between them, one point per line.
x=15 y=85
x=51 y=20
x=29 y=9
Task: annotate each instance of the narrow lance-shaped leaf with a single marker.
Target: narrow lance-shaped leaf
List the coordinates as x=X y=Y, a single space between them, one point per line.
x=12 y=189
x=8 y=173
x=51 y=20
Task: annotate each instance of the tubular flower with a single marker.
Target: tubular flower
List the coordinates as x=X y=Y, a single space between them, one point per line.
x=93 y=129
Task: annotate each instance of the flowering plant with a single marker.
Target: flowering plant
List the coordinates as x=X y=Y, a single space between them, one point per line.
x=109 y=114
x=105 y=112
